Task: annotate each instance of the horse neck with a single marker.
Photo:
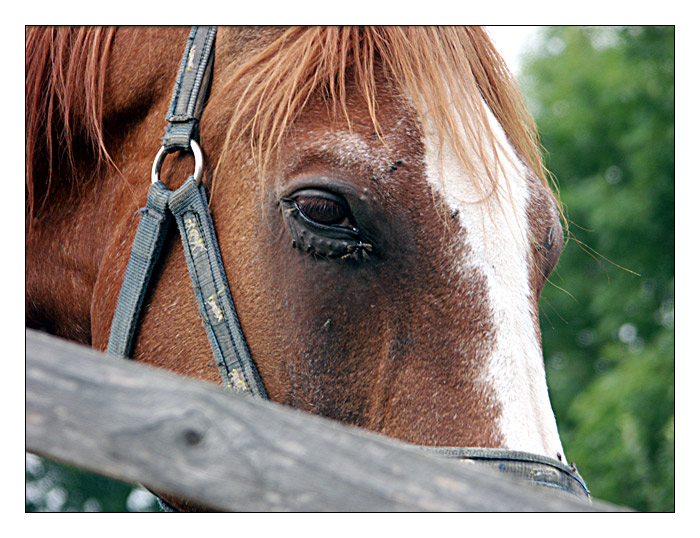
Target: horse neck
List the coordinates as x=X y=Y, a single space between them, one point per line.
x=64 y=248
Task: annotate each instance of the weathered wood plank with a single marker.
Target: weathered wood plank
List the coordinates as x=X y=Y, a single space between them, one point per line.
x=193 y=440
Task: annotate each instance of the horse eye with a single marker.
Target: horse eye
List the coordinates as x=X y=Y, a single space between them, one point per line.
x=321 y=223
x=325 y=209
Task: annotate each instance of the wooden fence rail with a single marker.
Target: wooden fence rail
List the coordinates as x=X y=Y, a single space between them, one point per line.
x=193 y=440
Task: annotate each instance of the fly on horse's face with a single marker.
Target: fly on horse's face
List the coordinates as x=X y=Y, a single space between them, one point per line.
x=385 y=260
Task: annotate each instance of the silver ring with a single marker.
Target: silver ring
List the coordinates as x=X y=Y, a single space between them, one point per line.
x=160 y=157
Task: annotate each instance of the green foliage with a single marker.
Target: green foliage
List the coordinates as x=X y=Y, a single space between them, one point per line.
x=604 y=101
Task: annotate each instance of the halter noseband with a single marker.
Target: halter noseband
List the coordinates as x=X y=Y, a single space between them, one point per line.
x=188 y=206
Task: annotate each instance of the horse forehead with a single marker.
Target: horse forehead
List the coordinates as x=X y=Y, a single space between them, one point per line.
x=493 y=212
x=371 y=154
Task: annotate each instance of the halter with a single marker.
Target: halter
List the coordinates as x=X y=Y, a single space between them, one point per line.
x=188 y=206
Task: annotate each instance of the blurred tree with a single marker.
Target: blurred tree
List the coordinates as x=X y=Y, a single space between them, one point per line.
x=604 y=101
x=52 y=487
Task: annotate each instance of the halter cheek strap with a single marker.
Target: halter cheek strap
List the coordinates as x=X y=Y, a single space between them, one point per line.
x=190 y=209
x=150 y=236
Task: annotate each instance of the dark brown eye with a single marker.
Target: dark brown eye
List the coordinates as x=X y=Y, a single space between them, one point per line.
x=324 y=209
x=322 y=224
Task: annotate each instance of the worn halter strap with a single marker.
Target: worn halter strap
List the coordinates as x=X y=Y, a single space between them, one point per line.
x=191 y=88
x=188 y=206
x=534 y=468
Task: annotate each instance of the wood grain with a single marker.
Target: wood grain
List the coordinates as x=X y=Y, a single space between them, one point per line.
x=232 y=453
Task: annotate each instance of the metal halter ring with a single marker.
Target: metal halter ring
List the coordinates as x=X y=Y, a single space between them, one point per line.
x=160 y=157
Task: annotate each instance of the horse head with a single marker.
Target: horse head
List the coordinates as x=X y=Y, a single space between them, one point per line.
x=382 y=212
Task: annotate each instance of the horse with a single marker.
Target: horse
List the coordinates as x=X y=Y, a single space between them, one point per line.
x=412 y=145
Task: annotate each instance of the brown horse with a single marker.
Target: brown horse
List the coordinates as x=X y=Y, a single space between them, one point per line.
x=414 y=137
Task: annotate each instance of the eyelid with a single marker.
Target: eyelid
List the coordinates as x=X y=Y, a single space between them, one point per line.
x=318 y=193
x=324 y=210
x=332 y=230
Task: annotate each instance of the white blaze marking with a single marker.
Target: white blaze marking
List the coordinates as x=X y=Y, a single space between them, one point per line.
x=497 y=247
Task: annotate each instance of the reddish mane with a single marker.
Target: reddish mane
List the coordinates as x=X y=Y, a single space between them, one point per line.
x=66 y=71
x=65 y=74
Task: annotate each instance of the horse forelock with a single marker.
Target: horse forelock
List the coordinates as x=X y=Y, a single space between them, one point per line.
x=433 y=67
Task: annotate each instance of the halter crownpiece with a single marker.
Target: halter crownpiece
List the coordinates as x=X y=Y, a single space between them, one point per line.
x=189 y=208
x=191 y=88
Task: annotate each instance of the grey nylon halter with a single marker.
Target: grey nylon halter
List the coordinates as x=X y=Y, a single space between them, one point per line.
x=189 y=208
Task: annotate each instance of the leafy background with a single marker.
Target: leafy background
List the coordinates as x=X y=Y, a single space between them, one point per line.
x=604 y=100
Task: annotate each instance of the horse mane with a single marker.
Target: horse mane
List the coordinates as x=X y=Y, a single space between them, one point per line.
x=435 y=66
x=65 y=70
